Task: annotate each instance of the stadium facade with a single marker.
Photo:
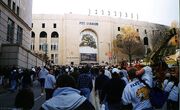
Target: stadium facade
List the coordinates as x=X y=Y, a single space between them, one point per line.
x=83 y=38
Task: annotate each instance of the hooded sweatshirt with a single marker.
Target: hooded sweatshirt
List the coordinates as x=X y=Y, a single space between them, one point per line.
x=65 y=98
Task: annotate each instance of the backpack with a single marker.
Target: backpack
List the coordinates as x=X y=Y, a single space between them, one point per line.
x=157 y=96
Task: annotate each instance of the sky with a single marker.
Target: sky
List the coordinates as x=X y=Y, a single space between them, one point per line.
x=155 y=11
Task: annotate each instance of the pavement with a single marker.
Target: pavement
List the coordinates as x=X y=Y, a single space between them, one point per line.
x=7 y=98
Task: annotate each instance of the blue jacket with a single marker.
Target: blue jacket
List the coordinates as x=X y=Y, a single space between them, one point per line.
x=65 y=98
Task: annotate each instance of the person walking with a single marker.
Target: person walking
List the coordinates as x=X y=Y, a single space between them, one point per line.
x=42 y=76
x=136 y=93
x=113 y=91
x=49 y=84
x=85 y=83
x=67 y=97
x=100 y=82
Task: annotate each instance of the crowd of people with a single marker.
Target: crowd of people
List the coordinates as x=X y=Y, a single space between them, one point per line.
x=117 y=87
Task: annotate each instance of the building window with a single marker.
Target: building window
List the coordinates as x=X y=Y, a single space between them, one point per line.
x=43 y=25
x=32 y=34
x=32 y=46
x=54 y=25
x=54 y=58
x=145 y=31
x=43 y=34
x=54 y=35
x=10 y=31
x=9 y=3
x=54 y=46
x=17 y=10
x=14 y=5
x=19 y=35
x=41 y=46
x=32 y=25
x=153 y=32
x=119 y=28
x=137 y=30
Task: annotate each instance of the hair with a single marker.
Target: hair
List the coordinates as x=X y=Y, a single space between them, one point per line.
x=101 y=70
x=66 y=81
x=132 y=73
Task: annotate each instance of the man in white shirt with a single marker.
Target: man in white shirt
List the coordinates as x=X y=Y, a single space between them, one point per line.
x=136 y=93
x=42 y=76
x=49 y=84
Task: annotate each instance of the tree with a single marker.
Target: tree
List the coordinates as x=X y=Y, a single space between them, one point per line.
x=129 y=42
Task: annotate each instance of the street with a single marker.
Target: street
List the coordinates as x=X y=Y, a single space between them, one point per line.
x=7 y=99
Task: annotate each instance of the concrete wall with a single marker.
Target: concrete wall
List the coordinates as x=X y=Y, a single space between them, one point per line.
x=19 y=56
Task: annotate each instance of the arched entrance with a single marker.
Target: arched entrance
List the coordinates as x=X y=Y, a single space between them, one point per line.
x=88 y=47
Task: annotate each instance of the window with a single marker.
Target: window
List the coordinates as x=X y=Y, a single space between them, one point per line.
x=119 y=28
x=19 y=35
x=41 y=46
x=54 y=25
x=32 y=25
x=17 y=10
x=43 y=25
x=137 y=30
x=145 y=41
x=14 y=5
x=32 y=34
x=153 y=32
x=9 y=3
x=54 y=35
x=43 y=34
x=32 y=46
x=54 y=58
x=10 y=31
x=145 y=31
x=54 y=46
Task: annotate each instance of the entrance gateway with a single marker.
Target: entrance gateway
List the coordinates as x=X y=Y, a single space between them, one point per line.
x=88 y=47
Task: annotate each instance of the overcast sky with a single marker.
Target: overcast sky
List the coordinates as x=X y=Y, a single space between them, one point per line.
x=156 y=11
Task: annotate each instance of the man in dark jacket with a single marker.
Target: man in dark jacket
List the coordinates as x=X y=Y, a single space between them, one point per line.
x=113 y=91
x=100 y=82
x=85 y=84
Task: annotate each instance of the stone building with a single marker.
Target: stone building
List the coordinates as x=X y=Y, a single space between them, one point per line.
x=83 y=38
x=15 y=32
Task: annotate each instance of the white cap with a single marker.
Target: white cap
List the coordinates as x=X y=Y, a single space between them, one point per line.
x=115 y=70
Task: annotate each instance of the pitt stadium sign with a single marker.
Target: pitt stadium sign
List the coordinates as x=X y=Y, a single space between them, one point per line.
x=88 y=23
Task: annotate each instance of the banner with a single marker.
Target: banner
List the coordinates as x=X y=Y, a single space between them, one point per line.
x=88 y=57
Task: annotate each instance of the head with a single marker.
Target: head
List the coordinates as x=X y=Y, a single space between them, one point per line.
x=101 y=71
x=115 y=73
x=66 y=81
x=132 y=73
x=51 y=71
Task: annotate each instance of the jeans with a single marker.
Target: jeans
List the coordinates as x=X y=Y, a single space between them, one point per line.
x=13 y=85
